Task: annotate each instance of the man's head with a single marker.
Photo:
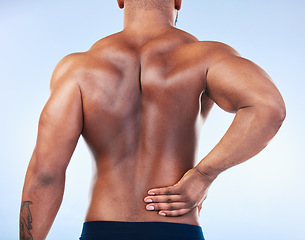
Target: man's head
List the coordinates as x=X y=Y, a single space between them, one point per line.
x=161 y=5
x=149 y=4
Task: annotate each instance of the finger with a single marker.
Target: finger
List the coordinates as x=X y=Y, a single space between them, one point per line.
x=172 y=190
x=165 y=206
x=163 y=199
x=174 y=213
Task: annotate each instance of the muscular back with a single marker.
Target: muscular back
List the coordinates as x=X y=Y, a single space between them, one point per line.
x=143 y=104
x=139 y=101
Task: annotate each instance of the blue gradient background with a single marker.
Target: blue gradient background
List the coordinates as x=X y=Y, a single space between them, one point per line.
x=260 y=199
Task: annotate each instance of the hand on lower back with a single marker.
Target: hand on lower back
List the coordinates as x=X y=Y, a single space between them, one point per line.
x=181 y=198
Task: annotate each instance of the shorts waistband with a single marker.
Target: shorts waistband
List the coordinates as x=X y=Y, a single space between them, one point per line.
x=156 y=230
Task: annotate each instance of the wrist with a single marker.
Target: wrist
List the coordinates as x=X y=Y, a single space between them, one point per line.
x=206 y=175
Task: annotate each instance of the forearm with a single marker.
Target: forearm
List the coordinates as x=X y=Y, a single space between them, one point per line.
x=250 y=132
x=41 y=200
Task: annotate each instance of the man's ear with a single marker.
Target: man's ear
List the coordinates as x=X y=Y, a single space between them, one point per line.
x=178 y=4
x=121 y=3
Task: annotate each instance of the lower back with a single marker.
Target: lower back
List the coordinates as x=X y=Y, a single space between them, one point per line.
x=118 y=194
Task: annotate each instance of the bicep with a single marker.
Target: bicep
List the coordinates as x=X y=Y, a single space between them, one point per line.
x=234 y=83
x=60 y=126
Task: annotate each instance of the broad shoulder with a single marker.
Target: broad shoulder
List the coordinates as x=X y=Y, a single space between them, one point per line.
x=185 y=35
x=67 y=68
x=76 y=68
x=78 y=63
x=216 y=50
x=109 y=43
x=206 y=53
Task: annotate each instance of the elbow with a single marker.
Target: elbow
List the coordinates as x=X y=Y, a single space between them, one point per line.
x=278 y=111
x=282 y=113
x=274 y=112
x=46 y=177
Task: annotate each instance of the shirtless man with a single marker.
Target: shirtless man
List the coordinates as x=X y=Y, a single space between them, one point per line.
x=139 y=98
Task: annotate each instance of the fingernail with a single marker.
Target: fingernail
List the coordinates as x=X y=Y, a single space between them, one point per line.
x=150 y=208
x=148 y=200
x=162 y=214
x=151 y=193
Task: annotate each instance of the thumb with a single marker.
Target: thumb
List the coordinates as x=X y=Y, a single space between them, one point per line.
x=171 y=190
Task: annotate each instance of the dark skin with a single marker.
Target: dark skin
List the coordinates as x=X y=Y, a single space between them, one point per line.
x=139 y=99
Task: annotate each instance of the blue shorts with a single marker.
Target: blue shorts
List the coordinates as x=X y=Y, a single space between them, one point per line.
x=106 y=230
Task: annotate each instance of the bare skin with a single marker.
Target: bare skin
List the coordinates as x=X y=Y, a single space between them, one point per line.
x=139 y=99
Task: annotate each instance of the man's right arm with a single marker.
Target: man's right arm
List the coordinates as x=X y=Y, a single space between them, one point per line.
x=236 y=85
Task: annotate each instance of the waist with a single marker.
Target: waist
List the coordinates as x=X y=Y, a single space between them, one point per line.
x=117 y=197
x=119 y=206
x=140 y=230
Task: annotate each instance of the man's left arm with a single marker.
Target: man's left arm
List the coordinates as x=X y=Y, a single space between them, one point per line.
x=59 y=128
